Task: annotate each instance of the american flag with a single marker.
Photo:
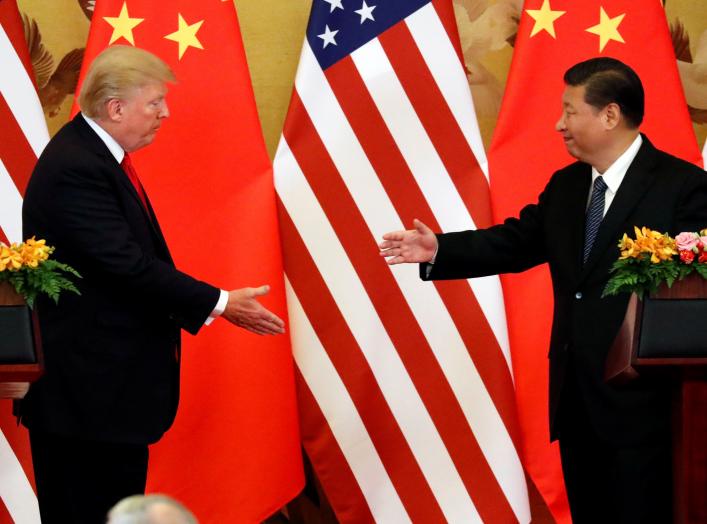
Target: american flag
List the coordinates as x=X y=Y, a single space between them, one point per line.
x=405 y=388
x=23 y=135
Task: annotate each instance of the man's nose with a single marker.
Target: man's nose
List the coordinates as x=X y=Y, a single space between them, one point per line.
x=560 y=125
x=164 y=113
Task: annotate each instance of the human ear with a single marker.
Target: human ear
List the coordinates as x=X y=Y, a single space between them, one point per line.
x=611 y=115
x=114 y=109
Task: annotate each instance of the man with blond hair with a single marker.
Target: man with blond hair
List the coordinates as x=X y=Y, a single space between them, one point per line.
x=112 y=353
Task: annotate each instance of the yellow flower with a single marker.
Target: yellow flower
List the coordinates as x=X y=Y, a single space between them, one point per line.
x=660 y=246
x=629 y=248
x=10 y=259
x=34 y=252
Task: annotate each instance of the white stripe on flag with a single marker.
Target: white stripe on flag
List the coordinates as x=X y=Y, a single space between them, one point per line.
x=355 y=305
x=341 y=415
x=409 y=134
x=443 y=62
x=429 y=310
x=20 y=94
x=430 y=173
x=15 y=490
x=11 y=206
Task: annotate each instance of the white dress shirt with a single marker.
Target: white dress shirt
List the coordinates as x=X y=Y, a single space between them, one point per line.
x=119 y=153
x=615 y=173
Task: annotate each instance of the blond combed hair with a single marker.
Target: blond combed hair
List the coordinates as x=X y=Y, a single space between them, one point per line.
x=116 y=71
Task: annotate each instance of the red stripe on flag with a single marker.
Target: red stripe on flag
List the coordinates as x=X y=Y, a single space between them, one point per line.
x=438 y=121
x=5 y=517
x=409 y=202
x=3 y=237
x=394 y=312
x=12 y=25
x=346 y=356
x=335 y=475
x=15 y=151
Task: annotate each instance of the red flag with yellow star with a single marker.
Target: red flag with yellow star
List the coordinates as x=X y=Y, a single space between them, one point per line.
x=233 y=454
x=525 y=151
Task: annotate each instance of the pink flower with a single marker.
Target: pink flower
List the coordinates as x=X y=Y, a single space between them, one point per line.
x=687 y=241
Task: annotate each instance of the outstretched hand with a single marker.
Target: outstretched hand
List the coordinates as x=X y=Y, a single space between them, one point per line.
x=244 y=310
x=411 y=246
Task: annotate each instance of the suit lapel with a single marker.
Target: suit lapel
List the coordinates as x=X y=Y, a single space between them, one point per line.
x=576 y=213
x=95 y=144
x=634 y=185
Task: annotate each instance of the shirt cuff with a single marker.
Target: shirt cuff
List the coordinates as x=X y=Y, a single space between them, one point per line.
x=219 y=308
x=434 y=257
x=428 y=268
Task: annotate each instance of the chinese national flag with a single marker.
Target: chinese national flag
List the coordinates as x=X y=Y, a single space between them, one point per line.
x=525 y=151
x=233 y=454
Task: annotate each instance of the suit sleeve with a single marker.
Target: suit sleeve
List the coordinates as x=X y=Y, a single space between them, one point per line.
x=85 y=218
x=691 y=213
x=511 y=247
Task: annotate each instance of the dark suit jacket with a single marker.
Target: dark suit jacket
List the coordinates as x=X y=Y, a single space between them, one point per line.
x=659 y=191
x=111 y=354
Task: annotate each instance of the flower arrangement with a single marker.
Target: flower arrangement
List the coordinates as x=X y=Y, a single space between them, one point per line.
x=653 y=258
x=28 y=268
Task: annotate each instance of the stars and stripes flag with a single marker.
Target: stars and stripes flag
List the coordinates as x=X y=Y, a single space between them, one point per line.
x=23 y=135
x=405 y=388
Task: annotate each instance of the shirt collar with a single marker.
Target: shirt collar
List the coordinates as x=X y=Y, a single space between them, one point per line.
x=614 y=175
x=113 y=146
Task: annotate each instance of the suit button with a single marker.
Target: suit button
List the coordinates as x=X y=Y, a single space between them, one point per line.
x=578 y=295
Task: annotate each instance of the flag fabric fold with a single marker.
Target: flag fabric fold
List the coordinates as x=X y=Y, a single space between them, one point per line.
x=405 y=388
x=233 y=454
x=525 y=151
x=23 y=135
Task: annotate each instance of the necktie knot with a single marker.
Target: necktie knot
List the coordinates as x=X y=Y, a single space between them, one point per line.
x=599 y=185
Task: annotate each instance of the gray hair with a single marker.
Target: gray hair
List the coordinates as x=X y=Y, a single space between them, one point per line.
x=145 y=509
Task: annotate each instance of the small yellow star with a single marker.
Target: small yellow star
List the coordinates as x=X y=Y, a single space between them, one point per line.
x=607 y=29
x=544 y=19
x=185 y=36
x=123 y=25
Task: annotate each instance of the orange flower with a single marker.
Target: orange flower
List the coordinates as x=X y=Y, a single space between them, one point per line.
x=10 y=259
x=34 y=252
x=660 y=246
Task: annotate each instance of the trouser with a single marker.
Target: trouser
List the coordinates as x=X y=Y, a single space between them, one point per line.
x=78 y=481
x=609 y=483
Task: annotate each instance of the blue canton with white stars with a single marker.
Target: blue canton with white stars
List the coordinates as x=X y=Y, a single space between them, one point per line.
x=338 y=27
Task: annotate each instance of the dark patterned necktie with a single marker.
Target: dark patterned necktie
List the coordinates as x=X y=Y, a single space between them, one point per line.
x=595 y=214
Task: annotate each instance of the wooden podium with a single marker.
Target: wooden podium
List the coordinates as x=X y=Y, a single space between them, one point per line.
x=20 y=345
x=666 y=333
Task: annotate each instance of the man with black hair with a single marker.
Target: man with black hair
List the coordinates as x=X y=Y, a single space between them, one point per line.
x=615 y=441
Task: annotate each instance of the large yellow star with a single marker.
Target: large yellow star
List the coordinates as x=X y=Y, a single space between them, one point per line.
x=185 y=36
x=123 y=25
x=544 y=19
x=607 y=29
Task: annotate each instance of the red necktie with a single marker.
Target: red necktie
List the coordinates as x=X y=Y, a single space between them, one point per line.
x=127 y=166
